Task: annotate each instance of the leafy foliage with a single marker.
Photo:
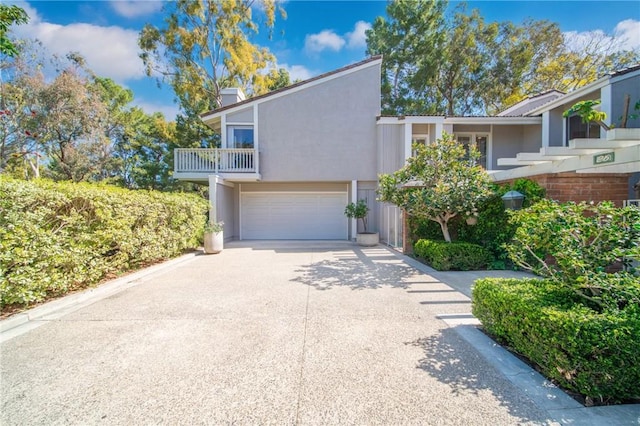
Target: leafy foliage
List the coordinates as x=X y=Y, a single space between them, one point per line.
x=584 y=110
x=203 y=47
x=409 y=40
x=574 y=244
x=458 y=256
x=458 y=64
x=59 y=237
x=10 y=15
x=358 y=210
x=596 y=354
x=493 y=229
x=440 y=182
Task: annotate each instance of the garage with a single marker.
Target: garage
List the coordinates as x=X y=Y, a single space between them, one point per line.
x=293 y=216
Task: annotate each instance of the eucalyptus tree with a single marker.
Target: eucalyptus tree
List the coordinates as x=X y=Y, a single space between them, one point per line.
x=204 y=46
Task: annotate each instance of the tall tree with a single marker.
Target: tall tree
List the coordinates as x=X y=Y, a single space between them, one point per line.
x=204 y=46
x=462 y=65
x=410 y=40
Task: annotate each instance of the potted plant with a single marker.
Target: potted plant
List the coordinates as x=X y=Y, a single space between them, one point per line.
x=213 y=237
x=360 y=210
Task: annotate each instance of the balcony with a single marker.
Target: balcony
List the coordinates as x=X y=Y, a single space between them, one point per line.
x=230 y=163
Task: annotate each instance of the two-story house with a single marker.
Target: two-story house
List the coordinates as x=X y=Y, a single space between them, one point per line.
x=292 y=159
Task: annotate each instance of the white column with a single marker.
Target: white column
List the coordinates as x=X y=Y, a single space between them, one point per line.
x=213 y=186
x=256 y=140
x=439 y=130
x=607 y=107
x=408 y=132
x=223 y=131
x=546 y=116
x=354 y=199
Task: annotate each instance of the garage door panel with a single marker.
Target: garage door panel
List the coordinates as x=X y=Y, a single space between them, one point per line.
x=293 y=216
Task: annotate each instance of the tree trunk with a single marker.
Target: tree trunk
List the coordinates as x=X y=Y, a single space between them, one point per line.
x=445 y=231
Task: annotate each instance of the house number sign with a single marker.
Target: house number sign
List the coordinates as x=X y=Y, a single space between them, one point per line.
x=606 y=157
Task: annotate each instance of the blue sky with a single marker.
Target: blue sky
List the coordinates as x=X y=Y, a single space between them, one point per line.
x=316 y=37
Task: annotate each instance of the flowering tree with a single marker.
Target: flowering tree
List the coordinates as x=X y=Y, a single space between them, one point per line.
x=442 y=181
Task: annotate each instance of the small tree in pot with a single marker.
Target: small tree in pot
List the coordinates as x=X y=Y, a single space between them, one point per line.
x=359 y=211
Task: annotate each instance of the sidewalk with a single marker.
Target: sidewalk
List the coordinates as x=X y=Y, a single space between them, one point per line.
x=276 y=333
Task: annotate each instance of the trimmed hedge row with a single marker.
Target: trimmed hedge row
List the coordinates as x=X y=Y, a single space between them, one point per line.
x=59 y=237
x=596 y=354
x=459 y=256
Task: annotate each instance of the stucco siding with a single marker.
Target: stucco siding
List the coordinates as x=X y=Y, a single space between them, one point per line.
x=471 y=128
x=242 y=116
x=225 y=210
x=619 y=90
x=391 y=148
x=326 y=132
x=507 y=141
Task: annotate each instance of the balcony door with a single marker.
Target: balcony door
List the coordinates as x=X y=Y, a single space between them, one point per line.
x=240 y=137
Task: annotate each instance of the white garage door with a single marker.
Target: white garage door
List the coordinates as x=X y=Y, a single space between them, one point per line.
x=293 y=216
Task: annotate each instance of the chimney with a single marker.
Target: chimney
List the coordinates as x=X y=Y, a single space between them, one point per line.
x=231 y=95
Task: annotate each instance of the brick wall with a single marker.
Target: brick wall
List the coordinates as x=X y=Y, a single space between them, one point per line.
x=594 y=187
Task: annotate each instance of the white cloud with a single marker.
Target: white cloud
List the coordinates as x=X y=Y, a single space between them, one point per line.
x=626 y=36
x=324 y=40
x=628 y=31
x=298 y=72
x=330 y=40
x=135 y=8
x=109 y=51
x=357 y=38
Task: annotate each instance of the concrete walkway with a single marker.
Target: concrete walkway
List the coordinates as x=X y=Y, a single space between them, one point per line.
x=274 y=333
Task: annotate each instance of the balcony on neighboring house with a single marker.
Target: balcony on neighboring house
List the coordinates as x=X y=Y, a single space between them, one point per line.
x=236 y=164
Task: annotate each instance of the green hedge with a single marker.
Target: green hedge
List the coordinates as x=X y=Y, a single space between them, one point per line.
x=493 y=229
x=596 y=354
x=59 y=237
x=459 y=256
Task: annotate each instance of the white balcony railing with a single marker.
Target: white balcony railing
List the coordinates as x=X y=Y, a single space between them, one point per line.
x=635 y=203
x=215 y=160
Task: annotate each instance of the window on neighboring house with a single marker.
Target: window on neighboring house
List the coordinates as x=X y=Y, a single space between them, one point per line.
x=577 y=129
x=418 y=139
x=480 y=141
x=239 y=136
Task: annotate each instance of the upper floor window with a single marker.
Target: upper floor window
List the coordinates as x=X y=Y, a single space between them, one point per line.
x=479 y=141
x=577 y=129
x=239 y=136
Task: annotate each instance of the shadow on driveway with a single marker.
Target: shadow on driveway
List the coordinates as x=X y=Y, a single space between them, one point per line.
x=358 y=268
x=453 y=362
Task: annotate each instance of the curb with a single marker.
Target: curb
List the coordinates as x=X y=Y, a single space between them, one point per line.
x=56 y=308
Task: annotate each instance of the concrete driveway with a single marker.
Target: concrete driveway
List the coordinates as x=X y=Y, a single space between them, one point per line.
x=263 y=333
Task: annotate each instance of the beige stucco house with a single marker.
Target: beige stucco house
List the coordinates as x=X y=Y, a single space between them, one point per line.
x=291 y=160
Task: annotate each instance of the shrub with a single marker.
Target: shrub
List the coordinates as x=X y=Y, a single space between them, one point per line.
x=574 y=244
x=445 y=256
x=493 y=229
x=59 y=237
x=596 y=354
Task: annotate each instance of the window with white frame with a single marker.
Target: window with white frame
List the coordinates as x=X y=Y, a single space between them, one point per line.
x=239 y=136
x=421 y=139
x=479 y=140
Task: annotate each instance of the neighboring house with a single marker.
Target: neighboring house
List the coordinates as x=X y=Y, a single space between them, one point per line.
x=292 y=159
